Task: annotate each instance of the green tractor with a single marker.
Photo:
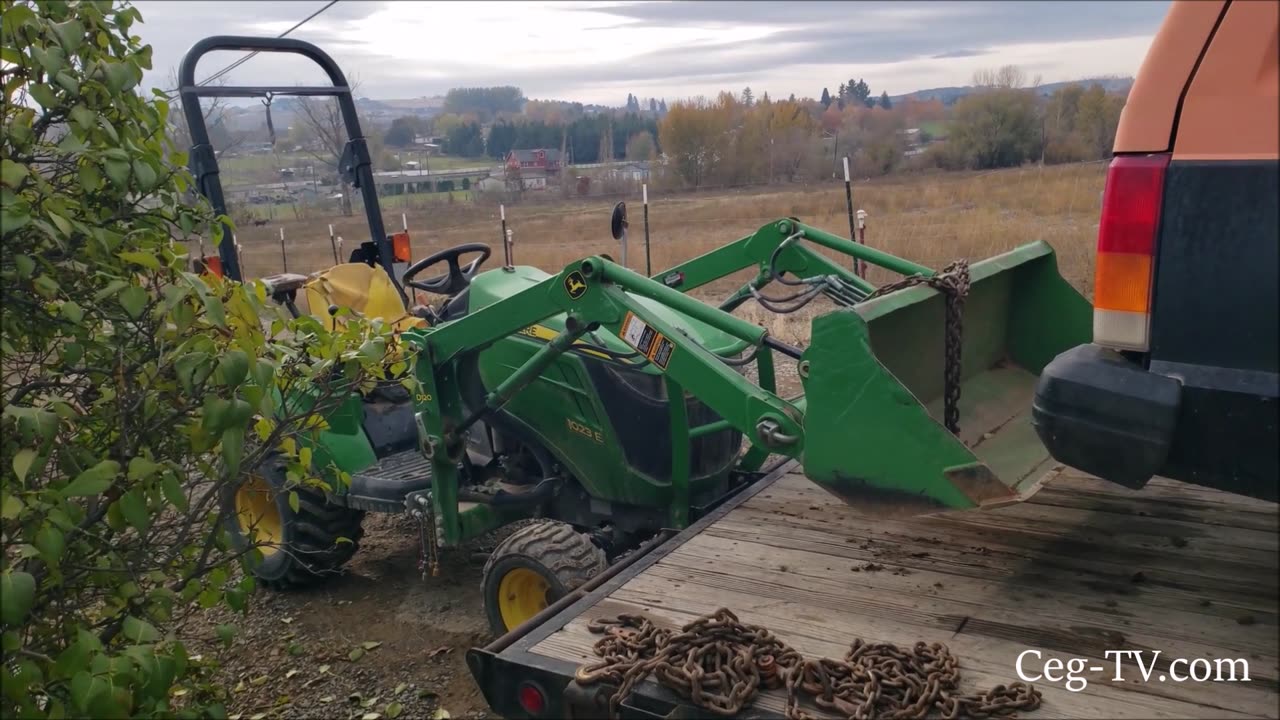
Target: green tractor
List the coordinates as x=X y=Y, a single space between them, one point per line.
x=600 y=406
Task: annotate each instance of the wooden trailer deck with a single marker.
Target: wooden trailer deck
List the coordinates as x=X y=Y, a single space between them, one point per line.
x=1083 y=567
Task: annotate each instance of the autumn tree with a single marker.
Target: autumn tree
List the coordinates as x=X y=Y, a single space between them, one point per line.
x=995 y=128
x=641 y=147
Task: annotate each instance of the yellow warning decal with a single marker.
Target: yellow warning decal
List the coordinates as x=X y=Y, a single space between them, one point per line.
x=649 y=342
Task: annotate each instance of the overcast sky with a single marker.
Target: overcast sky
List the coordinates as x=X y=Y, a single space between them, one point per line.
x=600 y=51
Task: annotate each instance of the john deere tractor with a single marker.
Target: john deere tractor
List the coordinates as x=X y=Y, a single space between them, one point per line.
x=600 y=405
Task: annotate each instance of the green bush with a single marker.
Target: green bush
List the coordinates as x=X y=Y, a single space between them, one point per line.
x=132 y=389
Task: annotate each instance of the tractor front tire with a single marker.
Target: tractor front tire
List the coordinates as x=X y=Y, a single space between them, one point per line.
x=298 y=548
x=537 y=565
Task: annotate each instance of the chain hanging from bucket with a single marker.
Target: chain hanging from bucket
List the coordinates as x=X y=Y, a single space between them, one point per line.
x=720 y=664
x=953 y=282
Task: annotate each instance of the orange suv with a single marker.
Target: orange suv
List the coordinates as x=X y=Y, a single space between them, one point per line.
x=1181 y=379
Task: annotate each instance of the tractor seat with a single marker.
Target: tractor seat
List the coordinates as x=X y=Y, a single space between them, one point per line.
x=364 y=289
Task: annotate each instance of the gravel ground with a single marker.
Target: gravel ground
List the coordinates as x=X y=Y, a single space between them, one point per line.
x=378 y=640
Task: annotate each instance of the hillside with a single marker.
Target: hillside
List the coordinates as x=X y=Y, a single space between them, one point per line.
x=948 y=95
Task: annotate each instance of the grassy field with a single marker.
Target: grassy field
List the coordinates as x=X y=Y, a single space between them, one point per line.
x=931 y=219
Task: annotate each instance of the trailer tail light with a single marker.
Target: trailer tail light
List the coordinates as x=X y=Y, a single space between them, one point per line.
x=1123 y=274
x=531 y=698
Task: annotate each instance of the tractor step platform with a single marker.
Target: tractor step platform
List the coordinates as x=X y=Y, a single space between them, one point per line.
x=384 y=486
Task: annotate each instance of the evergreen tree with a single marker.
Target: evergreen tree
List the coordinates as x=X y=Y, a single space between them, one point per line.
x=884 y=101
x=826 y=98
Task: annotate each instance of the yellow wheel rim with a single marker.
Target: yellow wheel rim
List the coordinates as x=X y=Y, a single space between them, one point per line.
x=522 y=593
x=258 y=515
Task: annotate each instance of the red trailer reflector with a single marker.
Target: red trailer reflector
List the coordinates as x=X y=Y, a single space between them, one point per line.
x=531 y=699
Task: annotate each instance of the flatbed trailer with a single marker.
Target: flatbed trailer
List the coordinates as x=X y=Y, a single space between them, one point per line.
x=1082 y=568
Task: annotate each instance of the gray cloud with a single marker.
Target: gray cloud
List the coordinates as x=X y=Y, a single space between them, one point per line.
x=800 y=33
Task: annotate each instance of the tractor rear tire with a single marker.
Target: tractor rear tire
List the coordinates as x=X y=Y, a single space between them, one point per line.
x=299 y=548
x=537 y=565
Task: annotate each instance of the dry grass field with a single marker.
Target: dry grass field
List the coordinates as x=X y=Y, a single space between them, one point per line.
x=929 y=218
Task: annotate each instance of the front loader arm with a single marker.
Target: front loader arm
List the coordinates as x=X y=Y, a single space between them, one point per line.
x=776 y=250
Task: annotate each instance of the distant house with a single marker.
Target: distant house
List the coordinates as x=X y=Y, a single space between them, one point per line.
x=543 y=159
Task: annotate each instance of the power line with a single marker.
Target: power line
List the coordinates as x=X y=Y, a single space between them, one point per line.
x=250 y=56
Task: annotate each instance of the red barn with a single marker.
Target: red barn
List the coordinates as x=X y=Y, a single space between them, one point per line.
x=537 y=159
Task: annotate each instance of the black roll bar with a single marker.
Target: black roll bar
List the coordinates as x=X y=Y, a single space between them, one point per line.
x=355 y=165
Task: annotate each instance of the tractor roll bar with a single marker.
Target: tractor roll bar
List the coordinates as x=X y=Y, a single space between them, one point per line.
x=355 y=165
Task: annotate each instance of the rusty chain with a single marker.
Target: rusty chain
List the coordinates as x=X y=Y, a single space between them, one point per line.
x=953 y=282
x=720 y=664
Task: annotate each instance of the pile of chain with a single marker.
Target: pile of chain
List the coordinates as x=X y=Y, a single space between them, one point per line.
x=953 y=282
x=720 y=664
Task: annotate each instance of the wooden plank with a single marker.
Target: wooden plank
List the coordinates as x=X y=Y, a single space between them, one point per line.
x=941 y=598
x=1054 y=574
x=1099 y=699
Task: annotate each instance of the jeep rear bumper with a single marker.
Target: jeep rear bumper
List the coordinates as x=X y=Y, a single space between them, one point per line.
x=1099 y=412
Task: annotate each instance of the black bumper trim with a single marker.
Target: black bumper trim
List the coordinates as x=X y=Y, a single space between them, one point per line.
x=1096 y=411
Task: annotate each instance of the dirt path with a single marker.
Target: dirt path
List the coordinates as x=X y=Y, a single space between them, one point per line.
x=292 y=656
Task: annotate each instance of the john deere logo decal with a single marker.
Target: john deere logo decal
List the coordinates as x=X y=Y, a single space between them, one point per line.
x=575 y=285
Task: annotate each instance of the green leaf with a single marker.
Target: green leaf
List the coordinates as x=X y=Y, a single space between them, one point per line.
x=90 y=178
x=355 y=654
x=134 y=300
x=82 y=688
x=22 y=462
x=146 y=260
x=12 y=174
x=140 y=631
x=70 y=35
x=93 y=481
x=140 y=467
x=25 y=265
x=50 y=543
x=117 y=171
x=10 y=507
x=43 y=94
x=293 y=501
x=173 y=492
x=112 y=288
x=145 y=175
x=233 y=366
x=63 y=225
x=233 y=448
x=17 y=593
x=217 y=314
x=84 y=117
x=119 y=76
x=133 y=505
x=72 y=311
x=304 y=456
x=393 y=710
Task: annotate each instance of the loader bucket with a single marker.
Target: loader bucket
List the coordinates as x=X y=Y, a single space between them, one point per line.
x=874 y=392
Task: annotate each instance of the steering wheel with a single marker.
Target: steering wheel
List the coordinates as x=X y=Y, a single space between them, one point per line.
x=457 y=278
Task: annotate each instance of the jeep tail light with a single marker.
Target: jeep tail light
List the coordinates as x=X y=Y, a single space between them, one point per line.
x=1125 y=266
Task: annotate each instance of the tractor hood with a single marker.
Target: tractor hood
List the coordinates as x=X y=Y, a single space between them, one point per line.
x=494 y=285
